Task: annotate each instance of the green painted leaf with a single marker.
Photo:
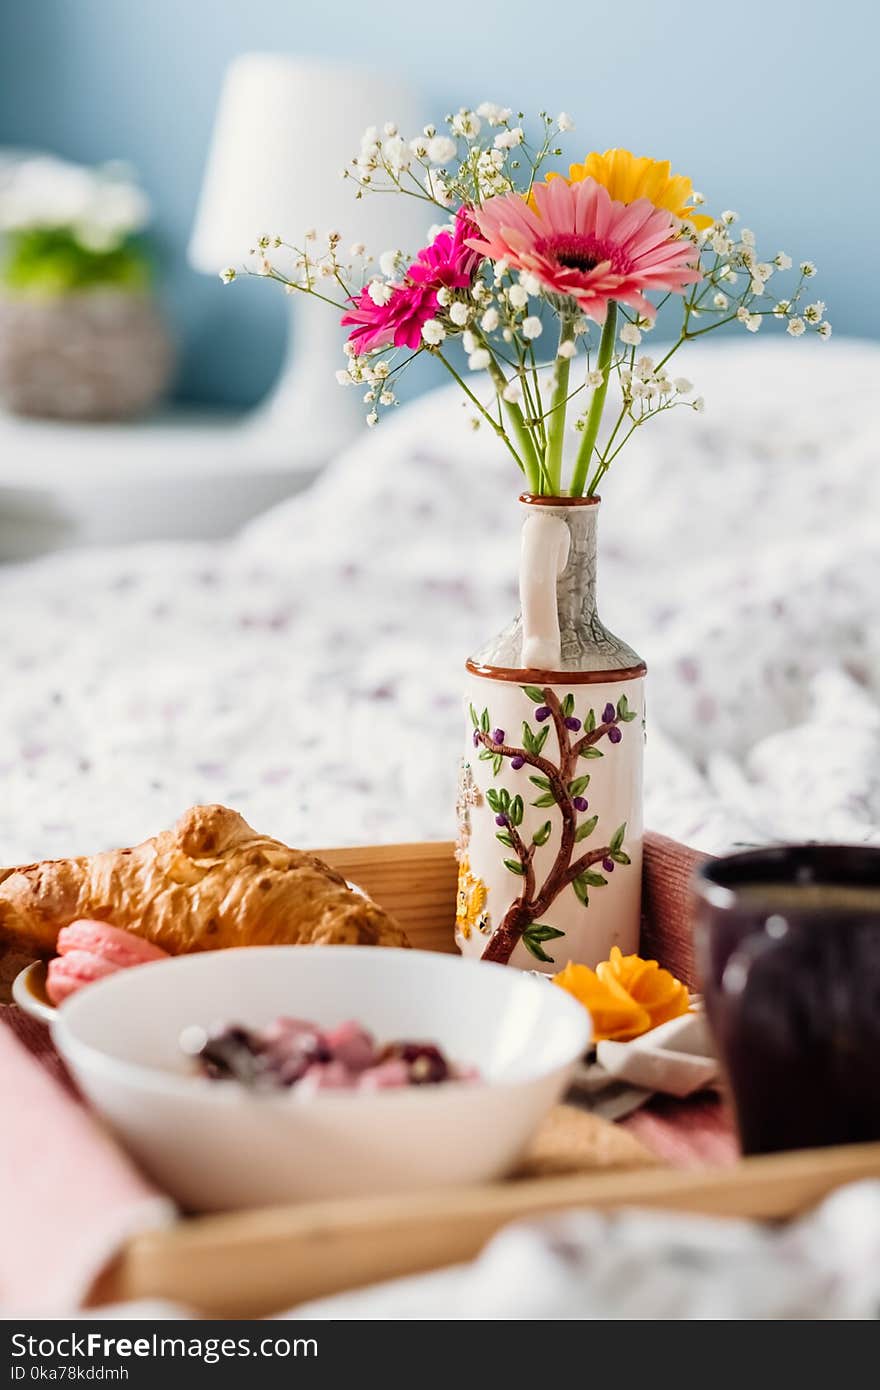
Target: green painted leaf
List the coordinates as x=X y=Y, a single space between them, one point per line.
x=528 y=738
x=591 y=879
x=579 y=785
x=537 y=950
x=475 y=718
x=592 y=752
x=542 y=835
x=494 y=800
x=497 y=764
x=484 y=721
x=486 y=755
x=619 y=857
x=542 y=738
x=568 y=706
x=504 y=798
x=542 y=933
x=624 y=712
x=534 y=694
x=514 y=866
x=516 y=810
x=590 y=722
x=542 y=782
x=616 y=841
x=505 y=839
x=548 y=799
x=581 y=892
x=586 y=828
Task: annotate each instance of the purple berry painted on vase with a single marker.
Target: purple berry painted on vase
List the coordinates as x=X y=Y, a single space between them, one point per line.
x=500 y=820
x=542 y=713
x=614 y=735
x=476 y=739
x=572 y=723
x=498 y=736
x=581 y=803
x=517 y=762
x=609 y=714
x=608 y=865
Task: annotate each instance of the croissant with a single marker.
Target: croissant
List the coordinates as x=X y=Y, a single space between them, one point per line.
x=210 y=882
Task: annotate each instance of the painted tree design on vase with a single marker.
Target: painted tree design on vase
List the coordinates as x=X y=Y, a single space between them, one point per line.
x=562 y=787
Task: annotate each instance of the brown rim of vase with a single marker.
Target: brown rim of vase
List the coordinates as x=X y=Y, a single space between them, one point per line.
x=533 y=677
x=535 y=500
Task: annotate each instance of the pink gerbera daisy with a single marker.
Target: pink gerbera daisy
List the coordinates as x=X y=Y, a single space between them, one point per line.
x=449 y=262
x=580 y=243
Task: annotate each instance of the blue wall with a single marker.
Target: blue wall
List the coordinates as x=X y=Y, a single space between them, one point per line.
x=769 y=107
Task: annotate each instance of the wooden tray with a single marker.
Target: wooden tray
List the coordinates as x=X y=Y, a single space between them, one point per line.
x=254 y=1263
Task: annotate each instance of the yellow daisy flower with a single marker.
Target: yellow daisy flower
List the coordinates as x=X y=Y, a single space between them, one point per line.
x=628 y=177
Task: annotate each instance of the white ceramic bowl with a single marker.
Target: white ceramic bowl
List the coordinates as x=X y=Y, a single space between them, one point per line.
x=217 y=1146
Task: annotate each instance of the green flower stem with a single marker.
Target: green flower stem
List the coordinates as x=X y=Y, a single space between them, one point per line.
x=597 y=405
x=556 y=433
x=501 y=433
x=527 y=451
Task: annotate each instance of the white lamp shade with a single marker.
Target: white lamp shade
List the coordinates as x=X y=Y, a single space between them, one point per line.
x=285 y=129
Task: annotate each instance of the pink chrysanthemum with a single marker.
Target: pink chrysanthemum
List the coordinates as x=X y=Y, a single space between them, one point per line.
x=580 y=243
x=449 y=262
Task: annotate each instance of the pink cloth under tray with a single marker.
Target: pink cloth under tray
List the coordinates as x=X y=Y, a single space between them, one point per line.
x=70 y=1196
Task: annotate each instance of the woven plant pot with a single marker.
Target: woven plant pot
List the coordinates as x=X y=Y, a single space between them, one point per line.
x=94 y=355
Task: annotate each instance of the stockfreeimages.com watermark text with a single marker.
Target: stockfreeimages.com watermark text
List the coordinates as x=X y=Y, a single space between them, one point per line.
x=30 y=1353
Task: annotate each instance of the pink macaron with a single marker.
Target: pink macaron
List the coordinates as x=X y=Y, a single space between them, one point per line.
x=89 y=951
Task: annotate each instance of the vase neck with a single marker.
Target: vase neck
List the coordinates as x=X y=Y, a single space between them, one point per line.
x=576 y=602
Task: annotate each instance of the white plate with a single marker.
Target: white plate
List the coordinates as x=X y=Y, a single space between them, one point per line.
x=29 y=992
x=217 y=1145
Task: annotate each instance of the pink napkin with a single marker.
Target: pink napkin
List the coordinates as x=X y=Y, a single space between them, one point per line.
x=69 y=1197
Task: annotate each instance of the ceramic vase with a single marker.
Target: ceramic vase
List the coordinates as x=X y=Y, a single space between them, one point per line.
x=550 y=796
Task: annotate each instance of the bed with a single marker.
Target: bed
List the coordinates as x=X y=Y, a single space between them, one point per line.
x=740 y=557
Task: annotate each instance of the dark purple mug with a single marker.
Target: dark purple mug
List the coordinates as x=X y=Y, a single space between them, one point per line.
x=788 y=952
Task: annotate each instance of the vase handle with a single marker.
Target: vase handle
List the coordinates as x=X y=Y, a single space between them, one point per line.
x=544 y=548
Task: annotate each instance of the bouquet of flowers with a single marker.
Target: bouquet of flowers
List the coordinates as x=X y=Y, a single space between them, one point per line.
x=524 y=256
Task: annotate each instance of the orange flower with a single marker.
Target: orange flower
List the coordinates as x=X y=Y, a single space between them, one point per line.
x=656 y=990
x=614 y=1012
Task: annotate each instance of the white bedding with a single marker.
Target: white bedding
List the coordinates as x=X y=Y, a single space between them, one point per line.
x=740 y=556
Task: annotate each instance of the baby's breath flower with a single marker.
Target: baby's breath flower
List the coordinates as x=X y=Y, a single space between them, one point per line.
x=595 y=378
x=824 y=329
x=699 y=405
x=683 y=386
x=564 y=121
x=419 y=147
x=469 y=341
x=509 y=139
x=813 y=312
x=729 y=217
x=513 y=391
x=796 y=327
x=645 y=367
x=566 y=349
x=372 y=419
x=397 y=154
x=228 y=275
x=466 y=123
x=479 y=360
x=494 y=114
x=369 y=396
x=344 y=378
x=507 y=335
x=532 y=327
x=444 y=296
x=782 y=261
x=381 y=370
x=441 y=149
x=311 y=234
x=582 y=326
x=808 y=269
x=630 y=335
x=747 y=237
x=387 y=398
x=433 y=332
x=459 y=313
x=379 y=292
x=357 y=248
x=489 y=321
x=720 y=243
x=720 y=301
x=764 y=269
x=530 y=282
x=438 y=189
x=518 y=296
x=781 y=309
x=264 y=266
x=757 y=285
